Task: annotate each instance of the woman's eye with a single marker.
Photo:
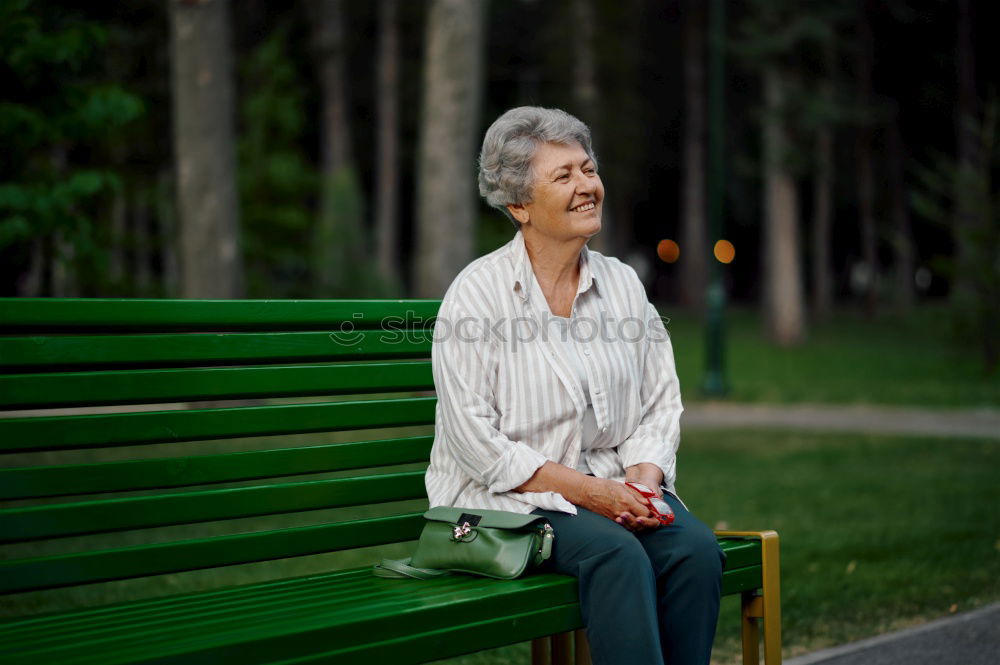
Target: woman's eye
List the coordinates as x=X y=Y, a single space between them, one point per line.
x=564 y=176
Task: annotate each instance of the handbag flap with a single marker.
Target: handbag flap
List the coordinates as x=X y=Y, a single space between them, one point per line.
x=496 y=519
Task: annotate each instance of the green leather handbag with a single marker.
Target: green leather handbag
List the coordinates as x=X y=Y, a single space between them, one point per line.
x=494 y=543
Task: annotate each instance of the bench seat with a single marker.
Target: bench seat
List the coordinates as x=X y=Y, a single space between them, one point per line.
x=332 y=616
x=140 y=439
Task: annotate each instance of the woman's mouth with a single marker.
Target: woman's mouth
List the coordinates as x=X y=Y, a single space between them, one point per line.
x=584 y=207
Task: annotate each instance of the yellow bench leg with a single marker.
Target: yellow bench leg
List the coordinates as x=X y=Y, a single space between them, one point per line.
x=581 y=648
x=540 y=651
x=766 y=606
x=749 y=611
x=561 y=649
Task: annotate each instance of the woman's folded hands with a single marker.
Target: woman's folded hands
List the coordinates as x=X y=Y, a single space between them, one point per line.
x=617 y=502
x=611 y=498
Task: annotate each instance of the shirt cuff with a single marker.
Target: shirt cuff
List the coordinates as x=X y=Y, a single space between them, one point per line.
x=513 y=468
x=637 y=453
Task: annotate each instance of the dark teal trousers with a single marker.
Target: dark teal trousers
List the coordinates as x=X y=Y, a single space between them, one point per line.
x=646 y=598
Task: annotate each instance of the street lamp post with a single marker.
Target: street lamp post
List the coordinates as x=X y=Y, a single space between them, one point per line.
x=715 y=359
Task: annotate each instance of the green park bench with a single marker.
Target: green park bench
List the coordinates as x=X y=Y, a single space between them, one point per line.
x=195 y=481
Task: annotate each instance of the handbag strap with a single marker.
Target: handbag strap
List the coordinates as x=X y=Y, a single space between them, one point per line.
x=401 y=568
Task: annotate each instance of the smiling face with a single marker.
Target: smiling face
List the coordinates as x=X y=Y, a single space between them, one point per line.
x=567 y=196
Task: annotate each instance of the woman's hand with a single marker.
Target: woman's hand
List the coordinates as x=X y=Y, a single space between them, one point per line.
x=609 y=498
x=617 y=502
x=648 y=474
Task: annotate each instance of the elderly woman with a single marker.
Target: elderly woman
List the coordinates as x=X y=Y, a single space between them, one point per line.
x=556 y=386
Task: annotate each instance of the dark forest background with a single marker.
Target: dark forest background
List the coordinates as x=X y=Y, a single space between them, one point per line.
x=326 y=148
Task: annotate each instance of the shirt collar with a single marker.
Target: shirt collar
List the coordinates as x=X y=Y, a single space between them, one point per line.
x=522 y=268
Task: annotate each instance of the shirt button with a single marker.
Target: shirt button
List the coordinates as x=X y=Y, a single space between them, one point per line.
x=597 y=391
x=586 y=350
x=604 y=430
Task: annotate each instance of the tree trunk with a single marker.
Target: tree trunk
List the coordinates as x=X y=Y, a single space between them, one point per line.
x=166 y=221
x=967 y=143
x=694 y=238
x=117 y=252
x=387 y=185
x=586 y=94
x=822 y=267
x=64 y=278
x=620 y=228
x=784 y=311
x=204 y=149
x=63 y=272
x=866 y=184
x=30 y=283
x=143 y=259
x=327 y=18
x=338 y=248
x=446 y=206
x=902 y=236
x=822 y=219
x=585 y=89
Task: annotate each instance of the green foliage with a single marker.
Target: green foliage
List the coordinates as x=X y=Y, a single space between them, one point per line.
x=290 y=250
x=796 y=38
x=31 y=207
x=56 y=120
x=962 y=196
x=276 y=180
x=876 y=531
x=850 y=359
x=340 y=270
x=493 y=231
x=776 y=31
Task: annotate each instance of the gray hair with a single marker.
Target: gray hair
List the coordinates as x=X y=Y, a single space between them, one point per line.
x=505 y=175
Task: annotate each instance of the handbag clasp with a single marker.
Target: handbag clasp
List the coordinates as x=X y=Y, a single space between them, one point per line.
x=460 y=532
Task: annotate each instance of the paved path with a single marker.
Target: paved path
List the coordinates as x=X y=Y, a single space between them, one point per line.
x=984 y=422
x=971 y=638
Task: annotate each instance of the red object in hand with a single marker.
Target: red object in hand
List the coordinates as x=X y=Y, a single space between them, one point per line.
x=660 y=508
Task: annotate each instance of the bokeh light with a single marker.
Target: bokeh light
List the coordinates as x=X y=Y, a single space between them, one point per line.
x=668 y=250
x=724 y=251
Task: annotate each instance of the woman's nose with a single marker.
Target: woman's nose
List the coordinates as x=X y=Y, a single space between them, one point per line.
x=585 y=183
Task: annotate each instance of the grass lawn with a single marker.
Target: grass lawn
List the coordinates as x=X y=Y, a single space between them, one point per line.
x=889 y=360
x=877 y=532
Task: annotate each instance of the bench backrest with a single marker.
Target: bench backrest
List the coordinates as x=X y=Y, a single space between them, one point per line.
x=181 y=420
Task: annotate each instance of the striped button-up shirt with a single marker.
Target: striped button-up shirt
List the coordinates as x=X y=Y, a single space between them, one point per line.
x=509 y=399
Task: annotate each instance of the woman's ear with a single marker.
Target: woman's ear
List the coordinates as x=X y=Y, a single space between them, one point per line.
x=519 y=212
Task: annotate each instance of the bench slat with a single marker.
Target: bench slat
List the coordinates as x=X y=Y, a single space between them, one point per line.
x=333 y=590
x=90 y=517
x=290 y=592
x=127 y=314
x=141 y=560
x=273 y=622
x=121 y=429
x=449 y=640
x=147 y=611
x=743 y=579
x=329 y=600
x=740 y=552
x=56 y=353
x=162 y=473
x=62 y=389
